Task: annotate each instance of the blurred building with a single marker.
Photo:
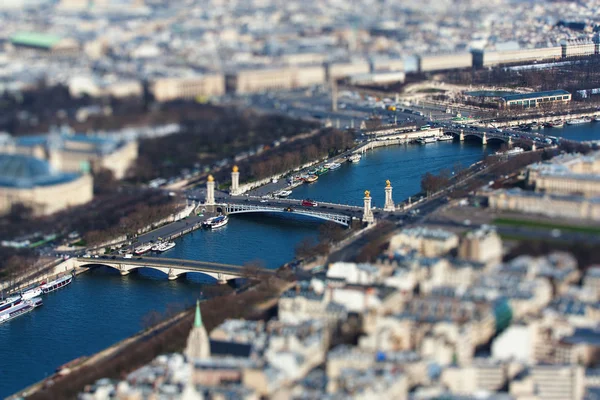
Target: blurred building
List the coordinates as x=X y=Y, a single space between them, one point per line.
x=535 y=99
x=44 y=42
x=32 y=182
x=429 y=242
x=76 y=153
x=549 y=382
x=208 y=85
x=482 y=245
x=245 y=81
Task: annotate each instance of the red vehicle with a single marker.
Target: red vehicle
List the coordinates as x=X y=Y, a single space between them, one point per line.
x=309 y=203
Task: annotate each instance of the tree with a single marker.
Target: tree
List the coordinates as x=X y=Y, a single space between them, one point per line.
x=19 y=212
x=330 y=232
x=305 y=249
x=252 y=270
x=104 y=181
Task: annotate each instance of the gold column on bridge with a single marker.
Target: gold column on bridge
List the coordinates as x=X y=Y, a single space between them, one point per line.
x=389 y=203
x=367 y=212
x=235 y=181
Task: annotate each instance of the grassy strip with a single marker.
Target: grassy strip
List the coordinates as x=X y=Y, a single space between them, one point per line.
x=546 y=225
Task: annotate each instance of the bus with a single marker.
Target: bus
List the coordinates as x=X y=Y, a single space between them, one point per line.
x=426 y=127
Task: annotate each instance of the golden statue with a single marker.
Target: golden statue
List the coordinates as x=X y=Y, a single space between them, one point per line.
x=367 y=193
x=235 y=168
x=210 y=178
x=388 y=183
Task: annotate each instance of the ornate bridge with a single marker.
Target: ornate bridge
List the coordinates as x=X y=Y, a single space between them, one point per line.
x=173 y=268
x=339 y=214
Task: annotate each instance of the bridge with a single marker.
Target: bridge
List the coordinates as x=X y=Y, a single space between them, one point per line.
x=171 y=267
x=482 y=135
x=340 y=214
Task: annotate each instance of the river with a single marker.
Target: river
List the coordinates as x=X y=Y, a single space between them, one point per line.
x=101 y=307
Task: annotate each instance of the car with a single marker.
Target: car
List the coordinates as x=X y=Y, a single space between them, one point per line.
x=309 y=203
x=288 y=209
x=263 y=200
x=113 y=257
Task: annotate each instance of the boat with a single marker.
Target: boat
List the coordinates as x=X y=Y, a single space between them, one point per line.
x=333 y=166
x=30 y=293
x=56 y=284
x=311 y=179
x=156 y=246
x=426 y=140
x=444 y=138
x=597 y=118
x=164 y=246
x=557 y=124
x=20 y=308
x=323 y=170
x=514 y=150
x=143 y=248
x=282 y=193
x=216 y=222
x=313 y=171
x=9 y=303
x=579 y=121
x=354 y=158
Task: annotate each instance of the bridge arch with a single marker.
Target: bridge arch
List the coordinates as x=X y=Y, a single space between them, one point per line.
x=125 y=269
x=340 y=219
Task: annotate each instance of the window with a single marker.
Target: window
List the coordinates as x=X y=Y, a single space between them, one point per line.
x=552 y=98
x=565 y=97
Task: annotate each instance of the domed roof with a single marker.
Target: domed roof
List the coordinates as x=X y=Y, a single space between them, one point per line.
x=21 y=171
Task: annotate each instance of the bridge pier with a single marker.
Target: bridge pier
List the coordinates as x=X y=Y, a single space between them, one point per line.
x=484 y=139
x=220 y=279
x=462 y=135
x=123 y=270
x=172 y=275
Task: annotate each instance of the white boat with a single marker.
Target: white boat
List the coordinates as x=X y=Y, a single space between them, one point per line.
x=354 y=158
x=597 y=119
x=426 y=140
x=216 y=222
x=18 y=308
x=29 y=294
x=164 y=246
x=56 y=284
x=579 y=121
x=334 y=166
x=156 y=246
x=514 y=150
x=444 y=138
x=143 y=248
x=283 y=193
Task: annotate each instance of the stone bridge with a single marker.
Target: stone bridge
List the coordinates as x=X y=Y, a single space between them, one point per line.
x=171 y=267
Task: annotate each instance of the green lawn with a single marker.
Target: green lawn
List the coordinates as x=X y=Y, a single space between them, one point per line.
x=546 y=225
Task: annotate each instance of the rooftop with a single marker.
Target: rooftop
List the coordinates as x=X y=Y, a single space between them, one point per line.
x=20 y=171
x=35 y=39
x=534 y=95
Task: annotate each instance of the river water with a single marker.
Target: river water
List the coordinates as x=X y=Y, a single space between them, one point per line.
x=100 y=307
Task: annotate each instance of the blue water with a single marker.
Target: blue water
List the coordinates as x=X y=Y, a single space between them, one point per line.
x=101 y=307
x=580 y=133
x=402 y=165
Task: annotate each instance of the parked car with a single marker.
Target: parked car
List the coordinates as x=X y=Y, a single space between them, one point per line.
x=309 y=203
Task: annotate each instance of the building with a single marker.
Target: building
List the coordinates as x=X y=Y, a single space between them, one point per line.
x=567 y=174
x=442 y=62
x=556 y=206
x=429 y=242
x=482 y=375
x=76 y=153
x=340 y=70
x=535 y=99
x=198 y=346
x=485 y=58
x=482 y=245
x=207 y=85
x=549 y=382
x=43 y=42
x=378 y=78
x=245 y=81
x=31 y=181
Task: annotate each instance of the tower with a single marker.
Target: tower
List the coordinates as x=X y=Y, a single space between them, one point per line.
x=389 y=203
x=210 y=191
x=198 y=346
x=367 y=212
x=235 y=181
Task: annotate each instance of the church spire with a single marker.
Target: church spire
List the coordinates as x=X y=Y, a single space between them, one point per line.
x=198 y=318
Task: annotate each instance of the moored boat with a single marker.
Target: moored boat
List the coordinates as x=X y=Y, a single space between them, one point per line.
x=282 y=193
x=30 y=293
x=311 y=179
x=333 y=166
x=143 y=248
x=216 y=222
x=166 y=246
x=557 y=124
x=56 y=284
x=323 y=170
x=354 y=158
x=426 y=140
x=597 y=118
x=22 y=307
x=579 y=121
x=444 y=138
